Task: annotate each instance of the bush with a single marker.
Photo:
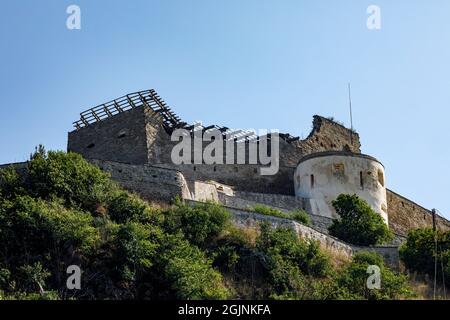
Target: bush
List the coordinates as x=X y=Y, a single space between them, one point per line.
x=301 y=217
x=353 y=280
x=290 y=260
x=297 y=215
x=124 y=207
x=135 y=248
x=358 y=223
x=227 y=247
x=419 y=252
x=33 y=277
x=198 y=223
x=34 y=228
x=188 y=272
x=67 y=176
x=268 y=211
x=11 y=184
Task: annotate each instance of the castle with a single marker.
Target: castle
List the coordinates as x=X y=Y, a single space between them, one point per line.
x=130 y=137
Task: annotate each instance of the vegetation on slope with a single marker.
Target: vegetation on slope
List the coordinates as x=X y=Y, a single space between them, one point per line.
x=65 y=211
x=419 y=253
x=297 y=215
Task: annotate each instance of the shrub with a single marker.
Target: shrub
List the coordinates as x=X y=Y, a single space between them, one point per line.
x=135 y=247
x=226 y=248
x=353 y=280
x=289 y=259
x=199 y=223
x=419 y=252
x=358 y=223
x=297 y=215
x=188 y=272
x=67 y=176
x=124 y=207
x=33 y=277
x=32 y=227
x=301 y=217
x=11 y=184
x=268 y=211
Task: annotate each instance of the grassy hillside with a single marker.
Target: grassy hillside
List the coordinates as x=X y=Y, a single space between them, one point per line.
x=64 y=211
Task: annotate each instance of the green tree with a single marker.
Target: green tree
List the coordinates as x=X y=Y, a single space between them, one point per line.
x=419 y=252
x=67 y=176
x=358 y=223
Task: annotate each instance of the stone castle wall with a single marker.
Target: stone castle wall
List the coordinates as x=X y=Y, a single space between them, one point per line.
x=405 y=215
x=136 y=136
x=120 y=138
x=150 y=182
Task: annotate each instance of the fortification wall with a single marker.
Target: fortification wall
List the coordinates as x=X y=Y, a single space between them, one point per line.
x=121 y=138
x=150 y=182
x=245 y=219
x=245 y=200
x=405 y=215
x=326 y=135
x=241 y=177
x=241 y=199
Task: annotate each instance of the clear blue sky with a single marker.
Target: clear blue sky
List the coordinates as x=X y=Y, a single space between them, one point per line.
x=243 y=64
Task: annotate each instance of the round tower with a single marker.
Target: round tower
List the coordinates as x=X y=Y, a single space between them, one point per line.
x=321 y=177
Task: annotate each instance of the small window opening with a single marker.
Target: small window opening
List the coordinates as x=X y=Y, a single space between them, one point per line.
x=312 y=181
x=91 y=146
x=361 y=181
x=195 y=168
x=215 y=169
x=381 y=177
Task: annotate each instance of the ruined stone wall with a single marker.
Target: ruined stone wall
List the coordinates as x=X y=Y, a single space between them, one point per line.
x=405 y=215
x=326 y=135
x=150 y=182
x=137 y=136
x=120 y=138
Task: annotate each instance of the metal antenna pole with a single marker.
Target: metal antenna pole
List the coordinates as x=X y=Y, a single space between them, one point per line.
x=351 y=113
x=435 y=252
